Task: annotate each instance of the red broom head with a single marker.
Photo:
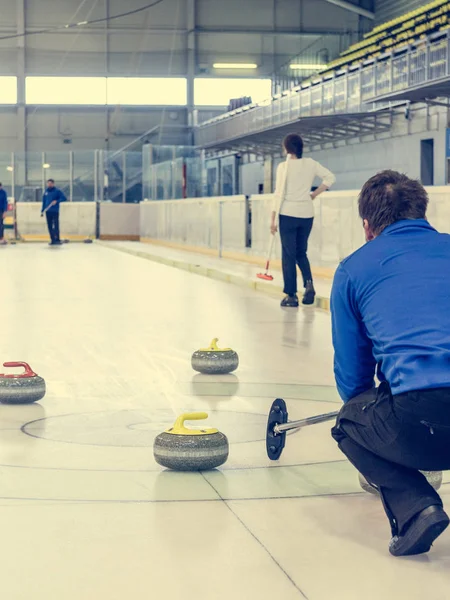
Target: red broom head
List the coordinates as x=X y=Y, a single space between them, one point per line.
x=265 y=276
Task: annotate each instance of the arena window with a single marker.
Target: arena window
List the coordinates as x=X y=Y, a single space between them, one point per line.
x=89 y=91
x=8 y=90
x=147 y=91
x=218 y=91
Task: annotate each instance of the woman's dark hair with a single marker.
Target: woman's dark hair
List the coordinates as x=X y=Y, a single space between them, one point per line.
x=388 y=197
x=293 y=144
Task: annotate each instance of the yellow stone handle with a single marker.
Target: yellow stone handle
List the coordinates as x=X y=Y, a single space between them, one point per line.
x=180 y=429
x=213 y=347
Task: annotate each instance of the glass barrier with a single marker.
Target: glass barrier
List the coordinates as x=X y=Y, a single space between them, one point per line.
x=84 y=176
x=172 y=172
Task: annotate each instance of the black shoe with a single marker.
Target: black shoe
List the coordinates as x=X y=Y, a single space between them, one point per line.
x=310 y=293
x=419 y=535
x=290 y=302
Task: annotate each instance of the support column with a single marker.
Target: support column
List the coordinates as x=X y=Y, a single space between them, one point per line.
x=268 y=175
x=21 y=106
x=191 y=44
x=269 y=48
x=106 y=66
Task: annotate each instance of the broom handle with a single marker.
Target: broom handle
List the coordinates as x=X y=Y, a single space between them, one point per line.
x=269 y=253
x=277 y=212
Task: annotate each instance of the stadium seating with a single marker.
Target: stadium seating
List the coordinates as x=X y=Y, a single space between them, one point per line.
x=395 y=34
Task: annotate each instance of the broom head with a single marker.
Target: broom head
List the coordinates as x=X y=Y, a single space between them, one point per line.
x=265 y=276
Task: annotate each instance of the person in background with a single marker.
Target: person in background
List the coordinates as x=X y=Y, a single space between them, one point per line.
x=50 y=206
x=390 y=317
x=3 y=211
x=293 y=201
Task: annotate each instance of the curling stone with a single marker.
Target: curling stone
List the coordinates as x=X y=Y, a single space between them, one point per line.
x=433 y=477
x=183 y=449
x=22 y=388
x=214 y=360
x=87 y=241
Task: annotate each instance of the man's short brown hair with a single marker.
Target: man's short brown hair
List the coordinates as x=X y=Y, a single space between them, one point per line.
x=388 y=197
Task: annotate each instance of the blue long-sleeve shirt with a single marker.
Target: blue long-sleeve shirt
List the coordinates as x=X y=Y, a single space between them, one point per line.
x=49 y=196
x=390 y=307
x=3 y=202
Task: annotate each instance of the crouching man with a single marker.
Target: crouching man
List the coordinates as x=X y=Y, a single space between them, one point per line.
x=391 y=318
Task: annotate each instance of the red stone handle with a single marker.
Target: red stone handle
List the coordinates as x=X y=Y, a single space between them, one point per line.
x=14 y=365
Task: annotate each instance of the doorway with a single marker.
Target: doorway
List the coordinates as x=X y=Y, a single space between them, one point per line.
x=427 y=162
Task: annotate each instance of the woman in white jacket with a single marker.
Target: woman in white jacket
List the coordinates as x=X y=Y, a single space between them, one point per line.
x=293 y=201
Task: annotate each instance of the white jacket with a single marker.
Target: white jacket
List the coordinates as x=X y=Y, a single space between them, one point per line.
x=292 y=196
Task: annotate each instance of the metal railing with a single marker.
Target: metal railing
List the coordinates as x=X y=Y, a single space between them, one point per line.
x=352 y=91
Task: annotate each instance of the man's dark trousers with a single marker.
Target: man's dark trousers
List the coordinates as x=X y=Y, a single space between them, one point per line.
x=389 y=438
x=53 y=225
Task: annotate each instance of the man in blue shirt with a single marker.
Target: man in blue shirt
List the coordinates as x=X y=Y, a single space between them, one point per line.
x=390 y=308
x=3 y=211
x=50 y=207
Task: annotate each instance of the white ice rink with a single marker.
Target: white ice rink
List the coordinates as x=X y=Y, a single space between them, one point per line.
x=86 y=513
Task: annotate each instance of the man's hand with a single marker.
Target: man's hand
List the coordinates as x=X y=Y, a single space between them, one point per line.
x=273 y=228
x=4 y=216
x=54 y=202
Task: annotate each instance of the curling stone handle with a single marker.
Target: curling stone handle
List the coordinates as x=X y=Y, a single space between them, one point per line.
x=14 y=365
x=196 y=416
x=180 y=429
x=213 y=347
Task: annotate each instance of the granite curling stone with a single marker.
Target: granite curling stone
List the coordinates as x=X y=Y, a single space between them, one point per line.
x=184 y=449
x=214 y=360
x=22 y=388
x=434 y=478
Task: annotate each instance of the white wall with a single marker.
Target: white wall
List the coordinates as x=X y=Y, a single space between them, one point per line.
x=337 y=230
x=251 y=175
x=196 y=222
x=77 y=220
x=119 y=221
x=357 y=161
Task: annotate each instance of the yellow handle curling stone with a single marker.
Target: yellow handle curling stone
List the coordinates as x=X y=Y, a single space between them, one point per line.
x=215 y=360
x=184 y=449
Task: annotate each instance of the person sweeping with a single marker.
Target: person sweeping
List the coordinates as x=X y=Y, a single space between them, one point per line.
x=293 y=202
x=50 y=207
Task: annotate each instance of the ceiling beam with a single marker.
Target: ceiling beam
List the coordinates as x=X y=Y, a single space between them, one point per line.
x=297 y=31
x=363 y=12
x=5 y=30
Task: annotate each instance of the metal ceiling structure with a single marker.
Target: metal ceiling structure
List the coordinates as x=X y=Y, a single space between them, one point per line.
x=362 y=12
x=315 y=131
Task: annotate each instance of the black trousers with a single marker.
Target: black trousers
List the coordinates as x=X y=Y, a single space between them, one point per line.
x=389 y=438
x=294 y=234
x=53 y=225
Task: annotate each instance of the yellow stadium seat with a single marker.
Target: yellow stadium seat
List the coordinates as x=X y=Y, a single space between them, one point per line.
x=396 y=34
